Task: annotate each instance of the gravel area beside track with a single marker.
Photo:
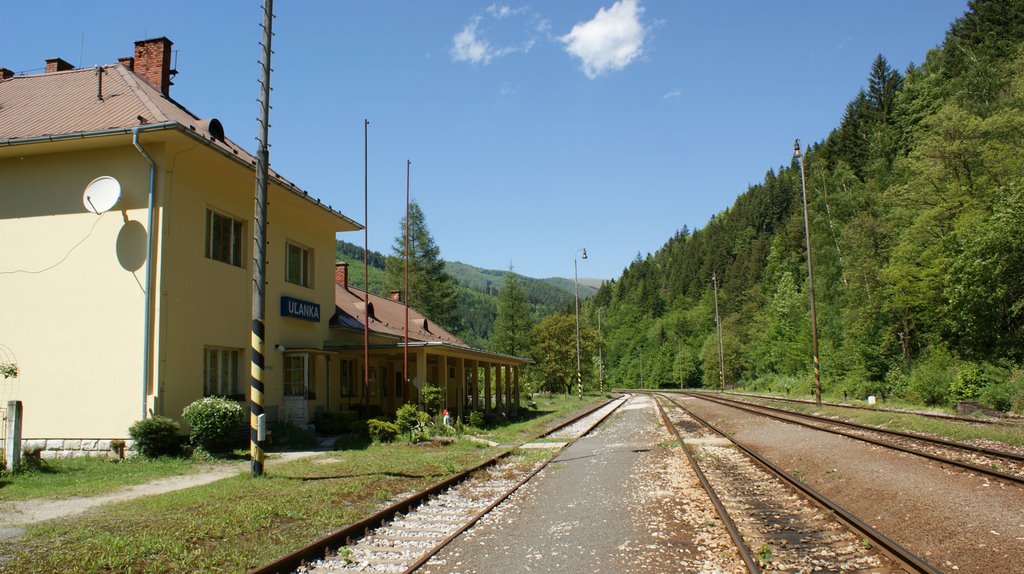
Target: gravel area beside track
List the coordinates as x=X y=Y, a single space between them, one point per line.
x=577 y=428
x=957 y=521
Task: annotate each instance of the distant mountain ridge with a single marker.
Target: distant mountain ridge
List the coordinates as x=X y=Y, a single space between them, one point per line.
x=588 y=287
x=477 y=290
x=480 y=279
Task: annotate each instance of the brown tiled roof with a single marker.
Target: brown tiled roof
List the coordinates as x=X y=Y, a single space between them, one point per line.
x=65 y=103
x=388 y=317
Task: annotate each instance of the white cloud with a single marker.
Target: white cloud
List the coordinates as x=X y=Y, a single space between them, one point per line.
x=673 y=94
x=500 y=12
x=466 y=47
x=608 y=42
x=470 y=45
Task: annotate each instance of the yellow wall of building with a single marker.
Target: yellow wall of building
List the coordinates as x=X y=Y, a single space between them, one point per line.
x=72 y=285
x=205 y=302
x=71 y=292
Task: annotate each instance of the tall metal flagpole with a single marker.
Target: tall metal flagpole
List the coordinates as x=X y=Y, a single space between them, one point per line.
x=576 y=281
x=600 y=354
x=405 y=358
x=579 y=375
x=366 y=264
x=718 y=328
x=810 y=276
x=257 y=418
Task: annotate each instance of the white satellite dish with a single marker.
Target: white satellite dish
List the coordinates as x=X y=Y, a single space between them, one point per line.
x=102 y=194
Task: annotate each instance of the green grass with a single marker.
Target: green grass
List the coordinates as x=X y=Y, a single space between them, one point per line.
x=549 y=409
x=530 y=457
x=87 y=476
x=239 y=523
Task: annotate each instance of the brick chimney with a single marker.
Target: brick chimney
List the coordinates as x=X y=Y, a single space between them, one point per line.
x=153 y=63
x=341 y=274
x=6 y=74
x=127 y=62
x=57 y=65
x=396 y=296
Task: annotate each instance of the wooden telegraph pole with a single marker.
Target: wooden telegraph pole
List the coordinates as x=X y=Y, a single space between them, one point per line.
x=810 y=276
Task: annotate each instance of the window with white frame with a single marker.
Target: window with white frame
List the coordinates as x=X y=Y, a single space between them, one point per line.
x=296 y=374
x=220 y=368
x=348 y=375
x=297 y=264
x=224 y=238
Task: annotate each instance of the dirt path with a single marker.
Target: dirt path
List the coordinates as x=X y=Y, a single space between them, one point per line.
x=15 y=515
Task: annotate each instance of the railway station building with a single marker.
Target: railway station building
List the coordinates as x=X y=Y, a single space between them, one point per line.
x=126 y=271
x=470 y=379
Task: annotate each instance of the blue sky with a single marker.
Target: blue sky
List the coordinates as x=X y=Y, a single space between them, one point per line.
x=533 y=129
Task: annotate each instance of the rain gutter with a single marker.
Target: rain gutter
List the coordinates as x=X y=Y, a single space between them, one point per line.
x=147 y=355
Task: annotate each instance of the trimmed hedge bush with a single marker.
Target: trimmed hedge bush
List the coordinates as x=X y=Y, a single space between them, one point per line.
x=156 y=436
x=382 y=430
x=215 y=422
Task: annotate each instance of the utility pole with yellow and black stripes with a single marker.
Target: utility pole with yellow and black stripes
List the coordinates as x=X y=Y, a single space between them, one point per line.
x=257 y=418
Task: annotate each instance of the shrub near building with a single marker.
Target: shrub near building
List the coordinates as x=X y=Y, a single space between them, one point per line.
x=214 y=421
x=156 y=436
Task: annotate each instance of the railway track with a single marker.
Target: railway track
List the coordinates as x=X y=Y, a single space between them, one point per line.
x=1009 y=421
x=1002 y=465
x=778 y=523
x=404 y=536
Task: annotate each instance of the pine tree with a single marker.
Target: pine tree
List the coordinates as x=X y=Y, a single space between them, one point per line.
x=431 y=288
x=513 y=326
x=883 y=84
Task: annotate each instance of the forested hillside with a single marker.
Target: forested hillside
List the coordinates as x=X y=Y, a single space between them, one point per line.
x=917 y=223
x=552 y=290
x=476 y=291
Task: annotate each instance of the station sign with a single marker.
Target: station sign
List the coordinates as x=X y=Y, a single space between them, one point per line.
x=299 y=309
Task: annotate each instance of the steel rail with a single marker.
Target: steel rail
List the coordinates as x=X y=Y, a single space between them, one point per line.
x=734 y=533
x=318 y=548
x=952 y=418
x=887 y=545
x=935 y=440
x=964 y=465
x=575 y=418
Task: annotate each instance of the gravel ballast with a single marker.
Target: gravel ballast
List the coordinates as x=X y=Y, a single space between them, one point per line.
x=955 y=520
